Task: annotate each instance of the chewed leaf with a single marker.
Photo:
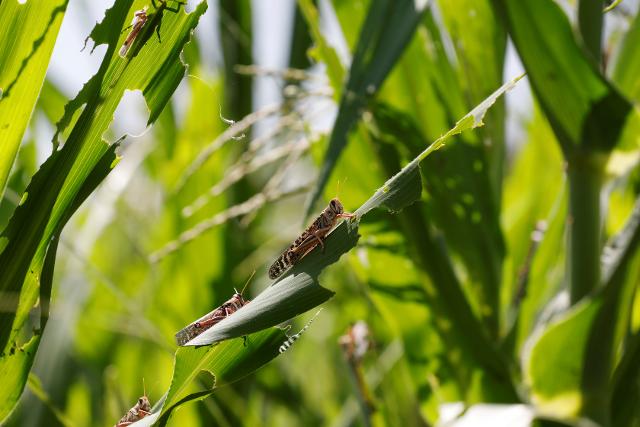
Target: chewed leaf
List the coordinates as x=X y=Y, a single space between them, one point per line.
x=405 y=187
x=224 y=363
x=29 y=32
x=473 y=118
x=71 y=173
x=398 y=192
x=298 y=292
x=14 y=371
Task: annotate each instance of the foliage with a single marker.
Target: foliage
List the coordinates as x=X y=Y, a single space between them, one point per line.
x=497 y=270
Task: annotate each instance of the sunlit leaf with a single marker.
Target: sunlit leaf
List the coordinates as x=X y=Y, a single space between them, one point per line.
x=225 y=362
x=74 y=171
x=298 y=291
x=582 y=107
x=28 y=34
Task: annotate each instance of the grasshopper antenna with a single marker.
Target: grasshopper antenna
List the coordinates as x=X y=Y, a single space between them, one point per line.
x=338 y=187
x=246 y=284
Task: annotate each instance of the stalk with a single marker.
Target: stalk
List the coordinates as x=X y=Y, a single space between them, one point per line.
x=585 y=181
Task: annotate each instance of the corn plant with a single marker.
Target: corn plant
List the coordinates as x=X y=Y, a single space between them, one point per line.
x=497 y=271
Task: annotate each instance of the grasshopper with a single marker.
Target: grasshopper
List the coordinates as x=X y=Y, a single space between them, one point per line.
x=141 y=409
x=140 y=18
x=233 y=304
x=310 y=238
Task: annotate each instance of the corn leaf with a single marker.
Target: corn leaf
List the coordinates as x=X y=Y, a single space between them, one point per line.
x=225 y=363
x=29 y=32
x=73 y=172
x=299 y=290
x=583 y=108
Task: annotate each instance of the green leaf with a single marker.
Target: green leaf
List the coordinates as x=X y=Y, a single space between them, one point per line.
x=480 y=43
x=29 y=32
x=387 y=30
x=534 y=225
x=405 y=179
x=73 y=172
x=626 y=392
x=298 y=290
x=35 y=386
x=582 y=107
x=225 y=362
x=567 y=384
x=553 y=373
x=14 y=370
x=65 y=173
x=626 y=64
x=325 y=52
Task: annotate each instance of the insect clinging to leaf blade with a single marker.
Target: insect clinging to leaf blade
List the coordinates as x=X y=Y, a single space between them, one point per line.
x=233 y=304
x=141 y=409
x=141 y=19
x=310 y=238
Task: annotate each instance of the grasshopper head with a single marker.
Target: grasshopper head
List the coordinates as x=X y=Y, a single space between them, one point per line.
x=144 y=404
x=335 y=207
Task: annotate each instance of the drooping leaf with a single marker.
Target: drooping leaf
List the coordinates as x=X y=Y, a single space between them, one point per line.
x=404 y=179
x=297 y=292
x=583 y=108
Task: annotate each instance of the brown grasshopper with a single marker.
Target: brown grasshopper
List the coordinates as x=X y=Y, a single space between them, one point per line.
x=310 y=238
x=141 y=409
x=233 y=304
x=139 y=19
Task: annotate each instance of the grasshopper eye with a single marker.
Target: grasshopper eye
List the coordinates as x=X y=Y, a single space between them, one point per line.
x=140 y=401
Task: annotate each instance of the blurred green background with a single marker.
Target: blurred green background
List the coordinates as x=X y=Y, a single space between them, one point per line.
x=470 y=295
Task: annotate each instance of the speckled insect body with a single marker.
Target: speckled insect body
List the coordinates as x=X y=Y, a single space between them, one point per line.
x=235 y=303
x=141 y=409
x=142 y=18
x=310 y=238
x=139 y=19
